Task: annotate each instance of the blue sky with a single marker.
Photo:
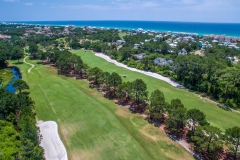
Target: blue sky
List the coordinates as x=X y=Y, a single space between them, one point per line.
x=156 y=10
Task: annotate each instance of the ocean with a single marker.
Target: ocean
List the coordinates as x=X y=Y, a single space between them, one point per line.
x=229 y=29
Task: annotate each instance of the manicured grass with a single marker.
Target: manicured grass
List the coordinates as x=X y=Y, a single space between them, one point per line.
x=91 y=126
x=215 y=115
x=122 y=34
x=6 y=75
x=61 y=40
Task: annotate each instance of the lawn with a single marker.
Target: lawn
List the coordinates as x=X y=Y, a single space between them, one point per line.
x=215 y=115
x=122 y=34
x=6 y=75
x=91 y=126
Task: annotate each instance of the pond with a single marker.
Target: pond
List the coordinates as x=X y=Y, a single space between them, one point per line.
x=17 y=76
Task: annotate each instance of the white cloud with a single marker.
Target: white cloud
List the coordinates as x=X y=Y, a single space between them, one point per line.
x=135 y=4
x=10 y=0
x=28 y=3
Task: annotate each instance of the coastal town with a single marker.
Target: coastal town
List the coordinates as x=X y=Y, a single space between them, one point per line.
x=173 y=38
x=136 y=62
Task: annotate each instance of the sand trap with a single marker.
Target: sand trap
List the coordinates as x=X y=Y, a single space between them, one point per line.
x=151 y=74
x=51 y=142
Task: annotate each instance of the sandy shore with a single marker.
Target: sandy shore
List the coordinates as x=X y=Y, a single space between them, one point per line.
x=151 y=74
x=51 y=142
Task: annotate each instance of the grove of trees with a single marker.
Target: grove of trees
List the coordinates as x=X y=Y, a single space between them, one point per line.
x=19 y=135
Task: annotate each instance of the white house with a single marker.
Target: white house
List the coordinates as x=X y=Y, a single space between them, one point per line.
x=159 y=36
x=172 y=45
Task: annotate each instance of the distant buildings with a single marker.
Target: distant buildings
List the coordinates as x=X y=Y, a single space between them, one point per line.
x=204 y=45
x=4 y=36
x=158 y=36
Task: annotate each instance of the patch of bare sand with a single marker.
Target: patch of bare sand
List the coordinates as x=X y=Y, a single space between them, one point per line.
x=51 y=142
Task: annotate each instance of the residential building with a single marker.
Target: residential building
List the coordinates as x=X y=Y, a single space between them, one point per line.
x=140 y=56
x=233 y=46
x=234 y=40
x=222 y=38
x=120 y=42
x=147 y=40
x=228 y=39
x=173 y=45
x=4 y=36
x=162 y=61
x=158 y=36
x=205 y=37
x=182 y=52
x=211 y=36
x=216 y=37
x=136 y=46
x=198 y=53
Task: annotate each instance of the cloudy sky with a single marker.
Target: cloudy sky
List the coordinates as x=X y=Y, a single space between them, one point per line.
x=153 y=10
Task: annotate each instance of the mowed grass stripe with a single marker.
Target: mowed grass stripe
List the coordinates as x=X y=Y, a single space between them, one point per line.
x=215 y=115
x=91 y=126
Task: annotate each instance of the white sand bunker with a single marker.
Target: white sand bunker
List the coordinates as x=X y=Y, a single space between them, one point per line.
x=151 y=74
x=51 y=142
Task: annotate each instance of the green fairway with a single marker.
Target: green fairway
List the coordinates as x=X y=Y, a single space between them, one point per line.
x=122 y=34
x=91 y=126
x=215 y=115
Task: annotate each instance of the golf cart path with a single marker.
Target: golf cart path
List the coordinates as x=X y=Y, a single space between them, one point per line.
x=24 y=60
x=151 y=74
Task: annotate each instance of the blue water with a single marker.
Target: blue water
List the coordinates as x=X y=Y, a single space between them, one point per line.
x=230 y=29
x=16 y=76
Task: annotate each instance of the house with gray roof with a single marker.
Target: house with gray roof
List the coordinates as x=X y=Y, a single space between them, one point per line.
x=182 y=52
x=162 y=61
x=121 y=42
x=140 y=56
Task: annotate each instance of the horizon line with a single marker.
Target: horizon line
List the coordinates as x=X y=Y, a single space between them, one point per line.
x=120 y=20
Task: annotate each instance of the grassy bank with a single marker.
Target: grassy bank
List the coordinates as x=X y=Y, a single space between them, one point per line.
x=6 y=75
x=91 y=126
x=215 y=115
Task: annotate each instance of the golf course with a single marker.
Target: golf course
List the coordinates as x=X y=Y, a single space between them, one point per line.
x=216 y=116
x=92 y=127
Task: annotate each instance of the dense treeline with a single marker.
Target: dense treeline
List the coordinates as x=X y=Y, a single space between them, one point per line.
x=18 y=131
x=205 y=139
x=8 y=51
x=210 y=75
x=12 y=30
